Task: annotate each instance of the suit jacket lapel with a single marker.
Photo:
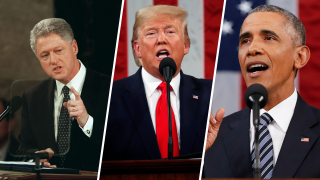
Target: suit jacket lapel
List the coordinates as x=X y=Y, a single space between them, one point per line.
x=293 y=150
x=237 y=144
x=45 y=118
x=139 y=110
x=188 y=113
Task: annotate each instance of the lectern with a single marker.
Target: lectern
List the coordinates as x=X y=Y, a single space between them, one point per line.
x=151 y=169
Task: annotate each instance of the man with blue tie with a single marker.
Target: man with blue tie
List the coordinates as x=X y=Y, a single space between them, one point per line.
x=272 y=47
x=137 y=128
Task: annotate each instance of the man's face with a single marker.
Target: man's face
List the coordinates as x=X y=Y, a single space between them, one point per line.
x=159 y=38
x=57 y=57
x=266 y=52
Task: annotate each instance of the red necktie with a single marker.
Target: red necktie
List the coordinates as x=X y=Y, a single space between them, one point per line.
x=162 y=124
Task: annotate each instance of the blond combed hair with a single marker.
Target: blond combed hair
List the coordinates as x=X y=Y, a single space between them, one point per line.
x=152 y=12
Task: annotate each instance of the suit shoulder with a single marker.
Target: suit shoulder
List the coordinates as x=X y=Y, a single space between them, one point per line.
x=37 y=88
x=234 y=117
x=316 y=112
x=120 y=84
x=207 y=82
x=203 y=85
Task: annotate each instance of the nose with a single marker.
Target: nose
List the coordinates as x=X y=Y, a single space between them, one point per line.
x=53 y=58
x=255 y=48
x=161 y=38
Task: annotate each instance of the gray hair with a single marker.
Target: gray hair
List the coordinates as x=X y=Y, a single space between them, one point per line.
x=294 y=26
x=48 y=26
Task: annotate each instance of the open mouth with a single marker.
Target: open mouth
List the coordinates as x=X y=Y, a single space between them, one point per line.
x=254 y=68
x=162 y=54
x=57 y=68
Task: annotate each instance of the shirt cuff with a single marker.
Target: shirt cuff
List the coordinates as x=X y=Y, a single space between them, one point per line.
x=87 y=128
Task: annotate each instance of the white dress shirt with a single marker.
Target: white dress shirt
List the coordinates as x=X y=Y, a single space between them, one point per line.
x=77 y=83
x=282 y=114
x=153 y=94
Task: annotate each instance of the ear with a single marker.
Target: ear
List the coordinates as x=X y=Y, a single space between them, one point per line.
x=302 y=56
x=74 y=47
x=186 y=46
x=137 y=49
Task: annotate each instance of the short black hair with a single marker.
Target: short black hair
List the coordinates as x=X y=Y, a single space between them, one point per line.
x=299 y=36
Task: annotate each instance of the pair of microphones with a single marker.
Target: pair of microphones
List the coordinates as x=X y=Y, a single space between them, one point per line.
x=256 y=97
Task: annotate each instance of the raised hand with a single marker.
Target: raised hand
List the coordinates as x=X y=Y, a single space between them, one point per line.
x=213 y=128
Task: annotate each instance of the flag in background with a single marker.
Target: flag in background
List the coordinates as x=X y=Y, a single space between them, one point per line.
x=203 y=27
x=229 y=85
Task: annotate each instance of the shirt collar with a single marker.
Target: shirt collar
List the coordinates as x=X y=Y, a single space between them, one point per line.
x=76 y=82
x=282 y=113
x=151 y=83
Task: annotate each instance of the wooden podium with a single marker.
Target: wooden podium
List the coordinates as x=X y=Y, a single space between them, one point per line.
x=151 y=169
x=84 y=175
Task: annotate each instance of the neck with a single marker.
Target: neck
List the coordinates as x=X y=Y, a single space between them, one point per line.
x=274 y=98
x=73 y=74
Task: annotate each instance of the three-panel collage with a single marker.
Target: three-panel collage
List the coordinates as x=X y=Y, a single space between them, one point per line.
x=159 y=89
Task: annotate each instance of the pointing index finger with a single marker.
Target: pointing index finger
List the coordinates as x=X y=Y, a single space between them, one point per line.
x=76 y=94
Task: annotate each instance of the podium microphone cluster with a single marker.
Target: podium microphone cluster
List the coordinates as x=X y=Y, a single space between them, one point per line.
x=12 y=106
x=167 y=69
x=256 y=97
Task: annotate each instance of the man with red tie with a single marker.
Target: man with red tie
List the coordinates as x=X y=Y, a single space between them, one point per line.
x=137 y=124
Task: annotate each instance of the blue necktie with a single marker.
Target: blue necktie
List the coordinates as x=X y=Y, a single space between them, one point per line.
x=265 y=147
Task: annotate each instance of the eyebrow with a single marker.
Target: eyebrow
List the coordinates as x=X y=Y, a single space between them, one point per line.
x=154 y=27
x=263 y=31
x=244 y=35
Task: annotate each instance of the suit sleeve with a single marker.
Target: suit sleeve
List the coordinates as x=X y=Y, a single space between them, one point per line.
x=28 y=141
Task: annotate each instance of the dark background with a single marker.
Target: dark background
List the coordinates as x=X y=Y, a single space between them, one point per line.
x=95 y=26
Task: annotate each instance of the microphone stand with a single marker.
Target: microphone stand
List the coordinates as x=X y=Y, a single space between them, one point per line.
x=256 y=122
x=5 y=112
x=167 y=74
x=170 y=141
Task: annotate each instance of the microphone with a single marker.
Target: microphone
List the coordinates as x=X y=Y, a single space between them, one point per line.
x=168 y=68
x=12 y=106
x=256 y=93
x=256 y=97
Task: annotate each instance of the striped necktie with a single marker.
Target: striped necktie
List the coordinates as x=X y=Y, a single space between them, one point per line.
x=265 y=147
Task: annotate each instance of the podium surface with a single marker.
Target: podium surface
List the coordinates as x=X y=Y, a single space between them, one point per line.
x=84 y=175
x=151 y=169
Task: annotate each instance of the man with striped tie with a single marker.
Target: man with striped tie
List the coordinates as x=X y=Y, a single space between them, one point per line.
x=272 y=48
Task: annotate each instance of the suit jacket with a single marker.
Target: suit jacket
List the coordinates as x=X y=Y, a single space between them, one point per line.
x=130 y=134
x=229 y=157
x=37 y=124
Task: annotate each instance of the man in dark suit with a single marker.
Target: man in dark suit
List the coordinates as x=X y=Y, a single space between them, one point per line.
x=272 y=48
x=133 y=124
x=72 y=102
